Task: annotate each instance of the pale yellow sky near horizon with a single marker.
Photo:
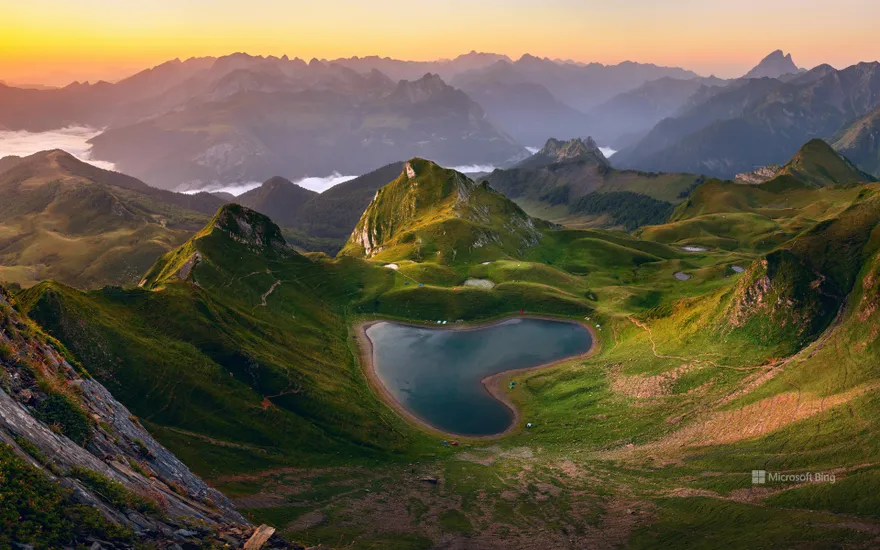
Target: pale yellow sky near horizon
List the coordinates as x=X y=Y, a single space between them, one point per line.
x=56 y=41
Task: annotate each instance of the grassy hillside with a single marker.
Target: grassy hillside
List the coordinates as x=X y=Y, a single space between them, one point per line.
x=816 y=184
x=231 y=338
x=66 y=220
x=756 y=348
x=817 y=163
x=573 y=184
x=436 y=214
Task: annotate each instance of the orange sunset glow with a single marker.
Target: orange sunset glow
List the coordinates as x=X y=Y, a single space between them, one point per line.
x=54 y=41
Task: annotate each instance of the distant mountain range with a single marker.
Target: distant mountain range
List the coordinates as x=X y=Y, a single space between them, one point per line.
x=727 y=130
x=237 y=118
x=860 y=142
x=628 y=116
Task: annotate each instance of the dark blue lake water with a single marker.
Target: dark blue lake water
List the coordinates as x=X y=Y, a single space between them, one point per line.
x=436 y=374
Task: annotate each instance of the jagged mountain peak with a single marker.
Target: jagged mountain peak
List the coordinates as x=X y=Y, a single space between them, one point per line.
x=248 y=227
x=774 y=65
x=569 y=149
x=557 y=151
x=423 y=89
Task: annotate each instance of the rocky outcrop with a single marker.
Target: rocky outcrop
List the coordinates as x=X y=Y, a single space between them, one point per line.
x=759 y=176
x=578 y=150
x=781 y=299
x=63 y=423
x=251 y=229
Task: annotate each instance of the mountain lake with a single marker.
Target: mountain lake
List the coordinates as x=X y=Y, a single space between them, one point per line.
x=437 y=374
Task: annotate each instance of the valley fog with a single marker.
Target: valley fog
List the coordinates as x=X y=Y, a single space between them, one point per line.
x=73 y=139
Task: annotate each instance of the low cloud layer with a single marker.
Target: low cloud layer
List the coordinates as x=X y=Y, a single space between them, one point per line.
x=73 y=139
x=474 y=168
x=315 y=184
x=322 y=184
x=231 y=188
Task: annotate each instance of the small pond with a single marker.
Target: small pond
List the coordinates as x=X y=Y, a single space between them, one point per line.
x=436 y=374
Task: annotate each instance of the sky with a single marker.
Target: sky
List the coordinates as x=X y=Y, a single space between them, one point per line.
x=57 y=41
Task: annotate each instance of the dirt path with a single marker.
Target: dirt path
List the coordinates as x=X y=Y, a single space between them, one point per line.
x=658 y=355
x=269 y=292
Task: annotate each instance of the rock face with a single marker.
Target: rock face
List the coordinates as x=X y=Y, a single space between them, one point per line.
x=780 y=295
x=252 y=229
x=61 y=422
x=584 y=150
x=759 y=176
x=773 y=66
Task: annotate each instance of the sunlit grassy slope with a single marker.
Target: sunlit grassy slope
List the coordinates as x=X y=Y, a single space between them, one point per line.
x=236 y=351
x=66 y=220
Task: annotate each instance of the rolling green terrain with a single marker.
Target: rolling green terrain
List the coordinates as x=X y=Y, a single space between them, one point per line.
x=741 y=335
x=572 y=183
x=66 y=220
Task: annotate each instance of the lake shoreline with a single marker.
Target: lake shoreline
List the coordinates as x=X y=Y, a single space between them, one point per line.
x=492 y=383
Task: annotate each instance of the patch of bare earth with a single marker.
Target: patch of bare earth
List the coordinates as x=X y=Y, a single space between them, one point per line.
x=749 y=421
x=645 y=387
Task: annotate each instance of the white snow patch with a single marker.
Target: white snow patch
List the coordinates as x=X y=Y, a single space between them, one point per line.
x=395 y=267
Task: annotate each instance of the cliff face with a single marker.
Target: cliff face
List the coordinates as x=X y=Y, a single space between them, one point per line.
x=87 y=453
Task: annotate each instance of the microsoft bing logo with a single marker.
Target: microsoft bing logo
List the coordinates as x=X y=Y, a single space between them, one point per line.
x=759 y=477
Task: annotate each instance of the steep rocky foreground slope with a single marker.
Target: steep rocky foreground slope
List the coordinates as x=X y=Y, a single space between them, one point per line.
x=78 y=469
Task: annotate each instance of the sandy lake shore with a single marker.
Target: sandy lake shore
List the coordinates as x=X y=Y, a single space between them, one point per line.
x=493 y=384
